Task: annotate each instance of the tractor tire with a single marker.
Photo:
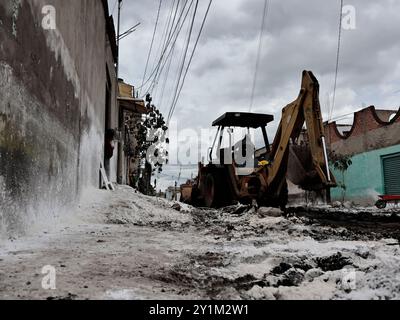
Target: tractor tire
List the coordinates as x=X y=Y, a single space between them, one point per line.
x=194 y=198
x=212 y=194
x=284 y=197
x=216 y=194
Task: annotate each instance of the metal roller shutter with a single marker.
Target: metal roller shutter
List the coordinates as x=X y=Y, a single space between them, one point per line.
x=391 y=172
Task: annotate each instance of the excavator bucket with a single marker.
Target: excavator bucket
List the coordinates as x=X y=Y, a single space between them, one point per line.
x=301 y=170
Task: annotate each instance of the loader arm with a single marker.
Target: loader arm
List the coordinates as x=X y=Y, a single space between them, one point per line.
x=305 y=109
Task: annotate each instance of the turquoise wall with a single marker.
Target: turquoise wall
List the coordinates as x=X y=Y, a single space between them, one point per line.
x=364 y=178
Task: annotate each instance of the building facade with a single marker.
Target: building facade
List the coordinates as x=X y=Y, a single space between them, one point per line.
x=373 y=143
x=57 y=100
x=132 y=111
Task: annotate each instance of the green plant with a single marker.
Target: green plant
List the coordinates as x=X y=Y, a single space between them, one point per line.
x=150 y=136
x=341 y=163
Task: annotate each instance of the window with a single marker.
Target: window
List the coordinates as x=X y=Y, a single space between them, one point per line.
x=391 y=174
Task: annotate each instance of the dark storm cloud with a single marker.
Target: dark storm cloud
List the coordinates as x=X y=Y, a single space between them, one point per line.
x=300 y=34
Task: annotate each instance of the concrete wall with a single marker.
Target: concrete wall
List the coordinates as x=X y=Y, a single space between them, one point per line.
x=372 y=136
x=364 y=178
x=114 y=112
x=52 y=107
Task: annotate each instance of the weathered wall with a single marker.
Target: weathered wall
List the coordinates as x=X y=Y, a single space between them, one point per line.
x=113 y=122
x=52 y=107
x=370 y=131
x=364 y=179
x=372 y=136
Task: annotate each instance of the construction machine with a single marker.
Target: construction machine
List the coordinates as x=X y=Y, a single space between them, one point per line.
x=236 y=174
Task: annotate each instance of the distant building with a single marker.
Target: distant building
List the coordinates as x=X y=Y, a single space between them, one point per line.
x=173 y=193
x=131 y=113
x=373 y=142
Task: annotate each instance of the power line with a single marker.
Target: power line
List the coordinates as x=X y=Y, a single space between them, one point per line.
x=169 y=64
x=343 y=116
x=174 y=37
x=115 y=5
x=160 y=70
x=166 y=32
x=160 y=103
x=184 y=55
x=180 y=61
x=337 y=59
x=152 y=41
x=191 y=58
x=167 y=28
x=128 y=32
x=180 y=68
x=172 y=34
x=264 y=18
x=166 y=35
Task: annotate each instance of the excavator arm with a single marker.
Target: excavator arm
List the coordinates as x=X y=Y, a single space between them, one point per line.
x=304 y=110
x=306 y=165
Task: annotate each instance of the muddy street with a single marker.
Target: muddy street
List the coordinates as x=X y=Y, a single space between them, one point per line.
x=361 y=224
x=124 y=245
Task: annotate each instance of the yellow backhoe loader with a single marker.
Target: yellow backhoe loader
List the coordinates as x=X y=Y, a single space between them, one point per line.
x=237 y=175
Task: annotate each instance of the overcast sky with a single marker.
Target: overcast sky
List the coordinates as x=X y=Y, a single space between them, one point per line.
x=299 y=34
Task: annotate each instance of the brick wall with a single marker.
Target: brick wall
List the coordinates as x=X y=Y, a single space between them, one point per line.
x=370 y=131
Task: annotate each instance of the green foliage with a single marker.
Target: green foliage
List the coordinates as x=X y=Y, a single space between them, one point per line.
x=342 y=164
x=150 y=136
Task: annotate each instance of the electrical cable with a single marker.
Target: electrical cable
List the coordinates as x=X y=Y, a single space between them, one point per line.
x=182 y=66
x=152 y=41
x=337 y=60
x=173 y=38
x=264 y=18
x=160 y=67
x=191 y=58
x=166 y=34
x=115 y=5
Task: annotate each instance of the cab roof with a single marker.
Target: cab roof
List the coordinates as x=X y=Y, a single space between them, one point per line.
x=243 y=120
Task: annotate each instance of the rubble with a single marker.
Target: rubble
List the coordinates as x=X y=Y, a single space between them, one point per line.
x=259 y=293
x=237 y=209
x=311 y=274
x=176 y=206
x=269 y=212
x=333 y=262
x=292 y=277
x=161 y=253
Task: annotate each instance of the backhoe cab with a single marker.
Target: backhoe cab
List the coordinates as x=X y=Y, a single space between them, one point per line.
x=235 y=174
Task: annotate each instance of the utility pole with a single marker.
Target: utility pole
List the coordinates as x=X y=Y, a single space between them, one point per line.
x=120 y=160
x=121 y=124
x=118 y=33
